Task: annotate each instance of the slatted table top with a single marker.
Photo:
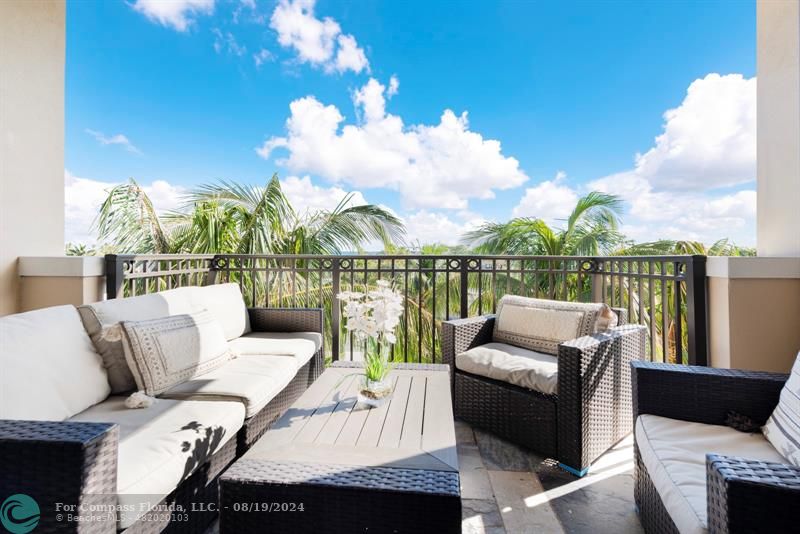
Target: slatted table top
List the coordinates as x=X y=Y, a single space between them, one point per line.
x=326 y=425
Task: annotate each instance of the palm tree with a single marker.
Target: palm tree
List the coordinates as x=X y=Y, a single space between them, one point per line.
x=128 y=219
x=722 y=247
x=591 y=228
x=240 y=219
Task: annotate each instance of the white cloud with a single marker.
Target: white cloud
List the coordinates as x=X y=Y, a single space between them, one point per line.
x=319 y=42
x=227 y=41
x=394 y=86
x=179 y=14
x=306 y=196
x=349 y=56
x=550 y=201
x=426 y=227
x=709 y=140
x=117 y=139
x=83 y=197
x=439 y=166
x=262 y=56
x=681 y=187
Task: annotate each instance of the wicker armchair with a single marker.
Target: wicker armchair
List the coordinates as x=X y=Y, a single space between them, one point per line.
x=590 y=412
x=743 y=495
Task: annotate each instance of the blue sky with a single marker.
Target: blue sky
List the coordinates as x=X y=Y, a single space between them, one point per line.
x=186 y=92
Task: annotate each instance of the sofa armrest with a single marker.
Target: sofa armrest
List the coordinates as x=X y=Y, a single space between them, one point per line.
x=459 y=335
x=750 y=495
x=286 y=319
x=704 y=394
x=594 y=392
x=62 y=465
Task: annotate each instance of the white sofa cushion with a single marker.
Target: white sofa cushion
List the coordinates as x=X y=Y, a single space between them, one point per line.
x=300 y=345
x=514 y=365
x=783 y=426
x=249 y=380
x=49 y=370
x=674 y=453
x=161 y=445
x=225 y=302
x=167 y=351
x=540 y=324
x=102 y=321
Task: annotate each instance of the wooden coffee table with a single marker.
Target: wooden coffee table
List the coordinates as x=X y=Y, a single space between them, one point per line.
x=331 y=464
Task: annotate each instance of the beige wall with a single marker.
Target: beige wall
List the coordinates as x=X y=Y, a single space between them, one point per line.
x=754 y=313
x=32 y=44
x=778 y=120
x=42 y=291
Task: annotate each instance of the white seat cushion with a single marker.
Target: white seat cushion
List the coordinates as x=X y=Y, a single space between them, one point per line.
x=225 y=302
x=514 y=365
x=674 y=453
x=249 y=380
x=49 y=369
x=300 y=345
x=161 y=445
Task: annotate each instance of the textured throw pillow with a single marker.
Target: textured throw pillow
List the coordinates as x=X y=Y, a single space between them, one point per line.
x=102 y=321
x=783 y=426
x=164 y=352
x=540 y=324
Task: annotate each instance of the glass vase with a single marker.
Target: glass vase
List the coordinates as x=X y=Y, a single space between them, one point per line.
x=376 y=392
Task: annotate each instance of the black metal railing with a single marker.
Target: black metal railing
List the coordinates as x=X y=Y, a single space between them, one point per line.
x=665 y=293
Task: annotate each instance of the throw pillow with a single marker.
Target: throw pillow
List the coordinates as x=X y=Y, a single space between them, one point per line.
x=541 y=324
x=162 y=353
x=783 y=426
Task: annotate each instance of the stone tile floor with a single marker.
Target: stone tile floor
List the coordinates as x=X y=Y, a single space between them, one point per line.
x=506 y=489
x=509 y=490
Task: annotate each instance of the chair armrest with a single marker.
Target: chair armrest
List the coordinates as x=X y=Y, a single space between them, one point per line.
x=750 y=495
x=622 y=315
x=459 y=335
x=61 y=465
x=594 y=392
x=286 y=319
x=704 y=394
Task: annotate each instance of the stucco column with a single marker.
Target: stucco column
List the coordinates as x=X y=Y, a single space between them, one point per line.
x=32 y=44
x=778 y=104
x=754 y=303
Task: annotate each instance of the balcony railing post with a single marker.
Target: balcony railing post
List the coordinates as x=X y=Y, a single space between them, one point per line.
x=464 y=287
x=115 y=275
x=335 y=310
x=596 y=280
x=213 y=267
x=696 y=310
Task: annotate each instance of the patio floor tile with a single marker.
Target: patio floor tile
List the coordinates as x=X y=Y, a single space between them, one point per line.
x=481 y=517
x=513 y=491
x=474 y=477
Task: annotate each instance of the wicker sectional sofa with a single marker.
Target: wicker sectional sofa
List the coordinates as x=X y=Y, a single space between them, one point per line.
x=587 y=413
x=68 y=441
x=694 y=471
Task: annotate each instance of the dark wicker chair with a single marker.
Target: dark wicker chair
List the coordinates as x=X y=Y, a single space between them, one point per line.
x=75 y=463
x=744 y=496
x=590 y=413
